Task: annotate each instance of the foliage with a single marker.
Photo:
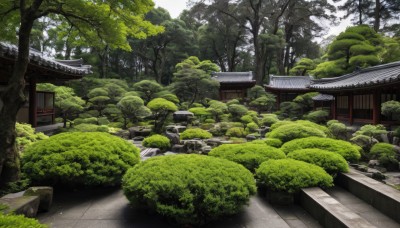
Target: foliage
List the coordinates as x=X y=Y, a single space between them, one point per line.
x=349 y=151
x=26 y=135
x=269 y=141
x=217 y=109
x=99 y=98
x=363 y=141
x=288 y=175
x=195 y=133
x=269 y=119
x=214 y=187
x=90 y=128
x=372 y=130
x=11 y=220
x=237 y=111
x=386 y=154
x=256 y=92
x=238 y=132
x=291 y=110
x=200 y=111
x=161 y=109
x=157 y=141
x=391 y=109
x=232 y=102
x=133 y=108
x=264 y=103
x=332 y=163
x=302 y=67
x=250 y=155
x=251 y=127
x=338 y=130
x=319 y=116
x=305 y=101
x=147 y=89
x=192 y=82
x=90 y=120
x=288 y=132
x=79 y=159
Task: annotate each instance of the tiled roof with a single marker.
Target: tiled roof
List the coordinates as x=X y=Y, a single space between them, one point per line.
x=289 y=82
x=74 y=67
x=368 y=77
x=323 y=97
x=233 y=77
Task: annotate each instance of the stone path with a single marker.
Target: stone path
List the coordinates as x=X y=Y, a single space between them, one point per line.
x=109 y=208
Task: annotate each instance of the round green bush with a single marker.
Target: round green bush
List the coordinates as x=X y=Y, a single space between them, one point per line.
x=292 y=131
x=349 y=151
x=305 y=123
x=192 y=189
x=269 y=119
x=10 y=220
x=250 y=155
x=386 y=155
x=79 y=159
x=90 y=128
x=209 y=121
x=157 y=141
x=288 y=175
x=195 y=133
x=238 y=132
x=252 y=127
x=269 y=141
x=332 y=163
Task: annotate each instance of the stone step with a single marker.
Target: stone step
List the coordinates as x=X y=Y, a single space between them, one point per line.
x=25 y=205
x=330 y=212
x=383 y=197
x=360 y=207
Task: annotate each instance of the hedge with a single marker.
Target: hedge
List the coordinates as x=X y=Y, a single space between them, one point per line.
x=191 y=189
x=269 y=141
x=238 y=132
x=26 y=135
x=332 y=163
x=79 y=159
x=250 y=155
x=386 y=154
x=10 y=220
x=157 y=141
x=292 y=131
x=288 y=175
x=349 y=151
x=195 y=133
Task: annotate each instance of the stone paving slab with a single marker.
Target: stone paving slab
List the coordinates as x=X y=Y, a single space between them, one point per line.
x=109 y=208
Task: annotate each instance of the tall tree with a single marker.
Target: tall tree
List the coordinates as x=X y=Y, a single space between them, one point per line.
x=358 y=9
x=101 y=22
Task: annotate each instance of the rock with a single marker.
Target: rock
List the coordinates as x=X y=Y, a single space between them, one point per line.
x=251 y=138
x=177 y=148
x=362 y=168
x=195 y=146
x=264 y=131
x=173 y=137
x=22 y=205
x=385 y=138
x=122 y=134
x=213 y=142
x=182 y=116
x=150 y=152
x=45 y=194
x=396 y=141
x=138 y=138
x=378 y=176
x=138 y=131
x=373 y=163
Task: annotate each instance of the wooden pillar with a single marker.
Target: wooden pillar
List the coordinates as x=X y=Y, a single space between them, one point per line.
x=334 y=107
x=376 y=107
x=350 y=98
x=32 y=102
x=278 y=100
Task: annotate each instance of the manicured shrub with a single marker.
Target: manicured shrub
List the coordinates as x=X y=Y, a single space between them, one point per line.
x=338 y=130
x=279 y=124
x=365 y=142
x=288 y=175
x=319 y=116
x=90 y=128
x=209 y=121
x=349 y=151
x=386 y=154
x=11 y=220
x=250 y=155
x=90 y=120
x=252 y=127
x=372 y=130
x=269 y=142
x=332 y=163
x=103 y=121
x=269 y=119
x=292 y=131
x=79 y=159
x=238 y=132
x=26 y=135
x=195 y=133
x=157 y=141
x=192 y=189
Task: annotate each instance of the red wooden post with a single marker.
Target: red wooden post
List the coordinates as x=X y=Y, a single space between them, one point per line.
x=376 y=107
x=32 y=102
x=333 y=107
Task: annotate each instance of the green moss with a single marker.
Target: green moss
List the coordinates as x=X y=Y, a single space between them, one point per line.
x=288 y=175
x=79 y=159
x=157 y=141
x=190 y=189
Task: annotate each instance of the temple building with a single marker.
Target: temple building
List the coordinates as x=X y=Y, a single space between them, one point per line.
x=358 y=96
x=39 y=109
x=234 y=85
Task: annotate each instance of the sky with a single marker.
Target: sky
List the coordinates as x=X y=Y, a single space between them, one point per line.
x=175 y=7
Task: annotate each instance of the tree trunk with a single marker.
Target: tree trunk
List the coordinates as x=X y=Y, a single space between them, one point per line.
x=377 y=15
x=13 y=98
x=360 y=12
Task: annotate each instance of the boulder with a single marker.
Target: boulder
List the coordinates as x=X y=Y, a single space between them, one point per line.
x=45 y=194
x=21 y=205
x=373 y=163
x=251 y=138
